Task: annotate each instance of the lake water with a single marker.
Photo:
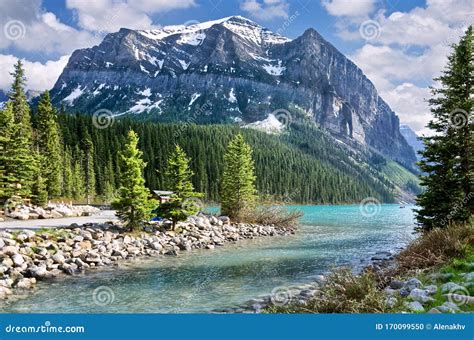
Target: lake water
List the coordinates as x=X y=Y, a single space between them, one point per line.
x=205 y=280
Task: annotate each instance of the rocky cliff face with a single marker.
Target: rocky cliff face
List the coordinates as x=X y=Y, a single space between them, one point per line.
x=231 y=70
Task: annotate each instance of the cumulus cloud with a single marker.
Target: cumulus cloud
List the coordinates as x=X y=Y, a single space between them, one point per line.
x=409 y=50
x=410 y=103
x=110 y=16
x=24 y=25
x=349 y=7
x=266 y=9
x=39 y=76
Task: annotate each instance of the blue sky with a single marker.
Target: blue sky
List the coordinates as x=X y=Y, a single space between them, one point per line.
x=399 y=44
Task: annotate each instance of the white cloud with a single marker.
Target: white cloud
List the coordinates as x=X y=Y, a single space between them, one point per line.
x=110 y=16
x=410 y=103
x=386 y=65
x=409 y=50
x=266 y=9
x=39 y=76
x=349 y=7
x=25 y=26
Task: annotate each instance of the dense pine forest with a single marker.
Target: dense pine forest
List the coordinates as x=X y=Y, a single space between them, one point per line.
x=51 y=155
x=283 y=169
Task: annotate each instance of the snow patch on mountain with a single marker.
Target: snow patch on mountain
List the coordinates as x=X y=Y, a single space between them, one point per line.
x=232 y=97
x=76 y=93
x=184 y=64
x=193 y=99
x=274 y=70
x=271 y=124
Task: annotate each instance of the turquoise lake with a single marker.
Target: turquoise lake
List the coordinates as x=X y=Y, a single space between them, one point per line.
x=206 y=280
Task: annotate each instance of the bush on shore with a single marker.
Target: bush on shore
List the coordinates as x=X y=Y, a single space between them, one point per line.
x=436 y=247
x=271 y=215
x=343 y=292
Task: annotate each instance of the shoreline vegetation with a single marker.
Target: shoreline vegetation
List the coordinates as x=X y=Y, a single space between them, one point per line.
x=434 y=273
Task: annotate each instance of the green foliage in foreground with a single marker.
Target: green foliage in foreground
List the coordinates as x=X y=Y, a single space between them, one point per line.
x=448 y=158
x=238 y=192
x=133 y=205
x=457 y=267
x=184 y=200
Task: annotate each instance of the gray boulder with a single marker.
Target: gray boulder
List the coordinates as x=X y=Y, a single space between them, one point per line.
x=413 y=283
x=415 y=307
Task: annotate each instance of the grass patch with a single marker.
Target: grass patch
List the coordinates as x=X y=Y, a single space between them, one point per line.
x=343 y=292
x=52 y=233
x=272 y=215
x=455 y=271
x=436 y=247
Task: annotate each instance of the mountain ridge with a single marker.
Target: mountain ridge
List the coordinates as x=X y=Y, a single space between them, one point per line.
x=231 y=70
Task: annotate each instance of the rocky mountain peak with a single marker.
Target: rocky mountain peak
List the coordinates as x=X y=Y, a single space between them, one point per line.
x=231 y=70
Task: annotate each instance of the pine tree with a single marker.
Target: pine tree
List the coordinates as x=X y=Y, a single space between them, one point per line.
x=238 y=191
x=7 y=178
x=21 y=163
x=49 y=145
x=448 y=155
x=89 y=168
x=133 y=205
x=78 y=181
x=39 y=189
x=67 y=184
x=184 y=201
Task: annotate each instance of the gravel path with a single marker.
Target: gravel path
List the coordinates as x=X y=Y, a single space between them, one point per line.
x=103 y=216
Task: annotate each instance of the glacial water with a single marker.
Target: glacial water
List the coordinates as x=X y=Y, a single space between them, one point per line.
x=206 y=280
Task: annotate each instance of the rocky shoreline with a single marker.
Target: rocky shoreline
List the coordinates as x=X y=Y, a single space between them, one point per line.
x=56 y=210
x=27 y=256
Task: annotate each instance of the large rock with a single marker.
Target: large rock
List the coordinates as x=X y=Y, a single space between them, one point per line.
x=18 y=260
x=10 y=250
x=420 y=295
x=450 y=287
x=58 y=258
x=413 y=283
x=26 y=283
x=415 y=307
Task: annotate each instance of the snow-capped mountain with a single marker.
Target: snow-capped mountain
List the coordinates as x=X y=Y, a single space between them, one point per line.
x=230 y=70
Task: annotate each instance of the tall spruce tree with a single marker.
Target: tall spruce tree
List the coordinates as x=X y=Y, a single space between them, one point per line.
x=67 y=165
x=78 y=180
x=7 y=178
x=238 y=193
x=184 y=201
x=448 y=155
x=49 y=146
x=89 y=173
x=21 y=163
x=133 y=204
